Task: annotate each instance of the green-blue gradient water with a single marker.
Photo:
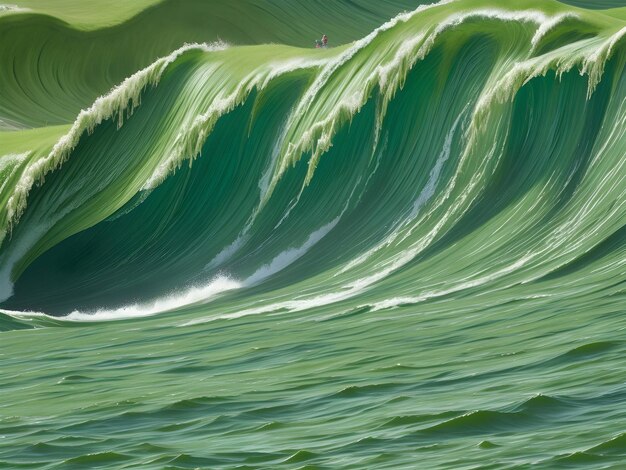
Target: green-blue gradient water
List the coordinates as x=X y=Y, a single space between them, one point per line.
x=224 y=248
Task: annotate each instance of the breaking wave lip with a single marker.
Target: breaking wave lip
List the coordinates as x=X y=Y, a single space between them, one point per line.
x=115 y=102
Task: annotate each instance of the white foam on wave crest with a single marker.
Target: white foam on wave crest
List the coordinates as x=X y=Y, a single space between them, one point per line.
x=123 y=97
x=189 y=141
x=12 y=8
x=548 y=25
x=332 y=66
x=544 y=21
x=9 y=164
x=317 y=138
x=589 y=55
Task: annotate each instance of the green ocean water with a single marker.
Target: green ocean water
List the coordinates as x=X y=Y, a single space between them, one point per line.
x=223 y=248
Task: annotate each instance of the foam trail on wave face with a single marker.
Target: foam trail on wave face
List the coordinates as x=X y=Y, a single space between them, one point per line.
x=193 y=295
x=399 y=301
x=359 y=286
x=348 y=291
x=230 y=250
x=226 y=253
x=425 y=195
x=292 y=204
x=433 y=178
x=142 y=196
x=298 y=305
x=264 y=182
x=289 y=256
x=387 y=268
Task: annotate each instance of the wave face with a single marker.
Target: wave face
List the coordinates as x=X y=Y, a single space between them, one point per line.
x=409 y=245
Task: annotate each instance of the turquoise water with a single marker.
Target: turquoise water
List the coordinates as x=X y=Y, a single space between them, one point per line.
x=222 y=248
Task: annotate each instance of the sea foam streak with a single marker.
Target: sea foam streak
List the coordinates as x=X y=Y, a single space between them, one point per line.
x=193 y=295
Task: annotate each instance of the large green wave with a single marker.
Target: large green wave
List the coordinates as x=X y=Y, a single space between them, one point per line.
x=335 y=171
